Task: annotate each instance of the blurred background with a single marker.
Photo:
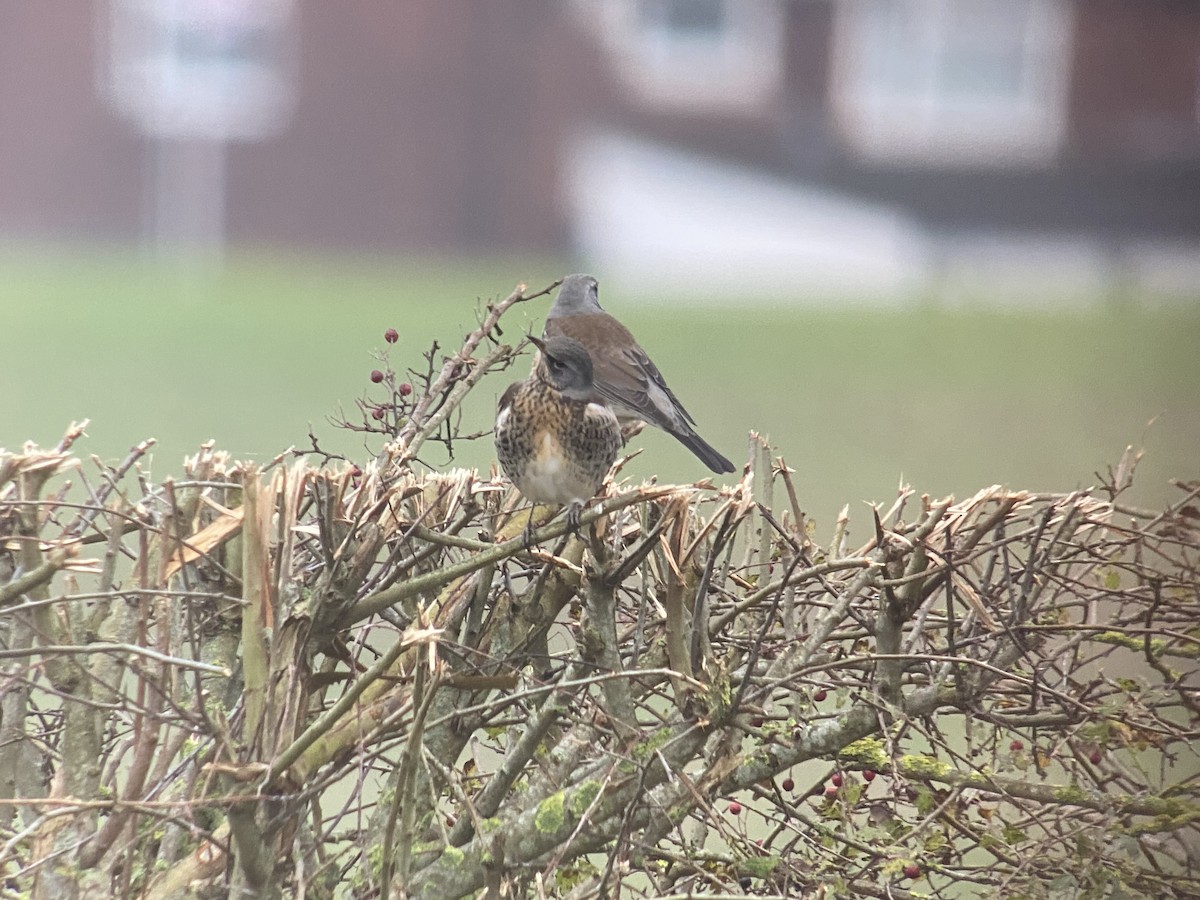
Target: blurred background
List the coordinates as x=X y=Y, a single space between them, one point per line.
x=951 y=241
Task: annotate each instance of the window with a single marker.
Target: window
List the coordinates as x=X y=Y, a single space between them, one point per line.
x=693 y=54
x=213 y=69
x=681 y=18
x=943 y=81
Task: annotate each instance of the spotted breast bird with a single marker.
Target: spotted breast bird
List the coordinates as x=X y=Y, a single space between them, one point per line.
x=623 y=373
x=556 y=438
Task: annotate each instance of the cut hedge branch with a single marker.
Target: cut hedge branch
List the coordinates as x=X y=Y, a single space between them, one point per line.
x=333 y=679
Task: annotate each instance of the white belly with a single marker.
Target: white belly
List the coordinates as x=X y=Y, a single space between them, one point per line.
x=548 y=478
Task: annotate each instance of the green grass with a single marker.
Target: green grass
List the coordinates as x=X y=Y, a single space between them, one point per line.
x=949 y=400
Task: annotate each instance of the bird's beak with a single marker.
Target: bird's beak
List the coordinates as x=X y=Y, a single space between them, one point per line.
x=537 y=342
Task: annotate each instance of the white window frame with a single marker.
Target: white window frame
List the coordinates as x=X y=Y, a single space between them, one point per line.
x=926 y=122
x=738 y=68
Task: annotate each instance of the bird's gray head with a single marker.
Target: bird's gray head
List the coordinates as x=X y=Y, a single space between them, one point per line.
x=566 y=367
x=578 y=296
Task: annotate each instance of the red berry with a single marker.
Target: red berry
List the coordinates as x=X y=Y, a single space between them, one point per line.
x=391 y=335
x=868 y=774
x=756 y=722
x=830 y=792
x=404 y=388
x=788 y=784
x=819 y=696
x=355 y=472
x=912 y=870
x=735 y=808
x=1016 y=746
x=1096 y=757
x=376 y=376
x=379 y=412
x=837 y=779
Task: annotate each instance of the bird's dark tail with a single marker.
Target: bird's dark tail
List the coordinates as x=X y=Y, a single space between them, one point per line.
x=704 y=452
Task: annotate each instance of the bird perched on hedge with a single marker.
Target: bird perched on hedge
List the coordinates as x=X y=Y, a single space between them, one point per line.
x=624 y=375
x=556 y=438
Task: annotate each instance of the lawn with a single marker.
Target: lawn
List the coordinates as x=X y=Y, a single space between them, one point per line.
x=856 y=400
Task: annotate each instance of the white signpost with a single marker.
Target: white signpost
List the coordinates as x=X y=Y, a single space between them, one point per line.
x=194 y=75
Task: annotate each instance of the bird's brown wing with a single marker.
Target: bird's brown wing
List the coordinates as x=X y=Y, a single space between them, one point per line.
x=623 y=373
x=628 y=379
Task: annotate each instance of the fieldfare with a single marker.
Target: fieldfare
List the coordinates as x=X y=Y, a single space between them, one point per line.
x=624 y=375
x=556 y=438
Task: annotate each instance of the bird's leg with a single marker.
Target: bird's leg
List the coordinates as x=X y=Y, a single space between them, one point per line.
x=531 y=525
x=574 y=511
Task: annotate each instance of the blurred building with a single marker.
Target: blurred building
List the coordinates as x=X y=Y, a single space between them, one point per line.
x=872 y=147
x=873 y=144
